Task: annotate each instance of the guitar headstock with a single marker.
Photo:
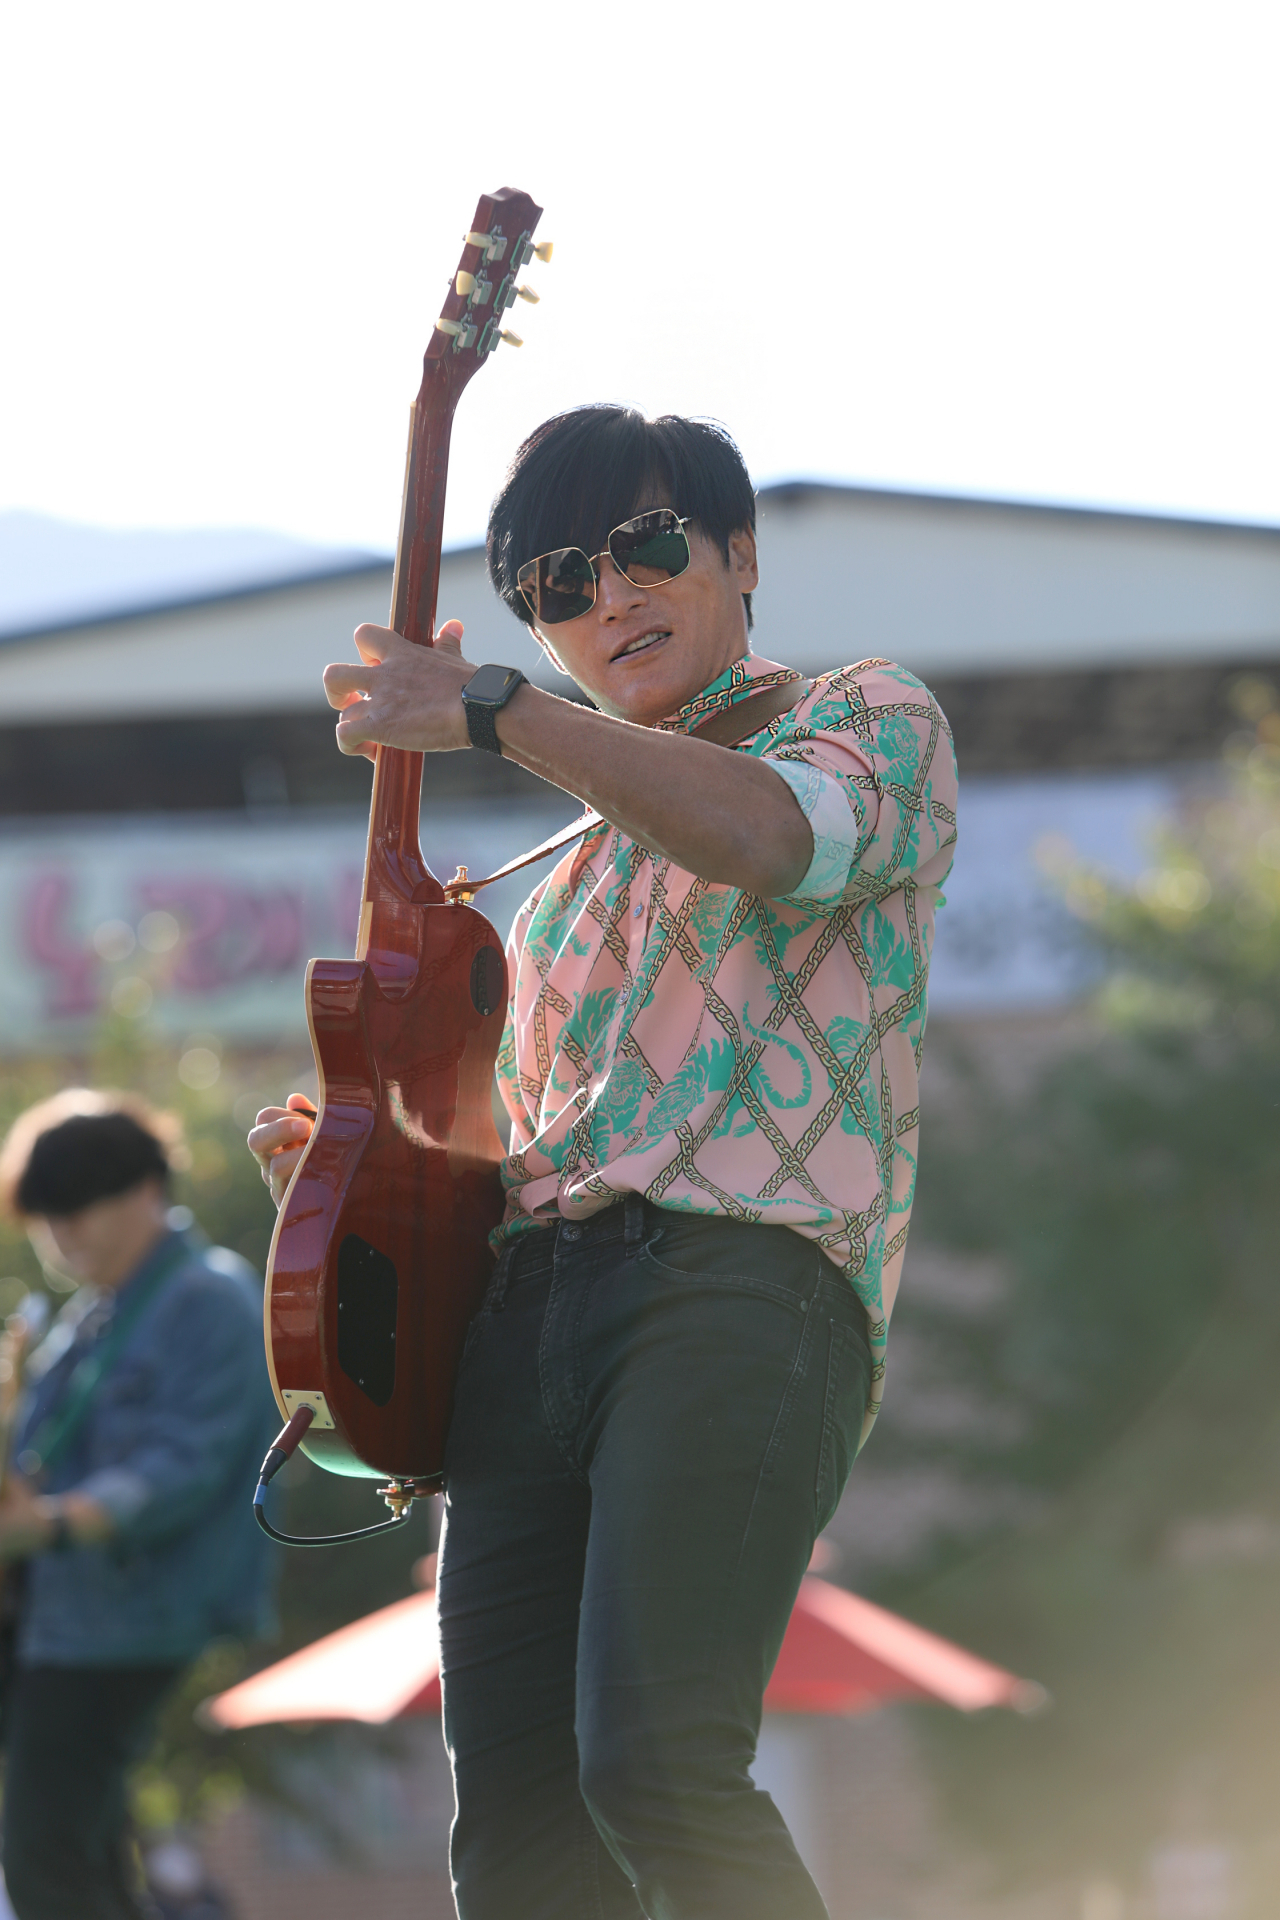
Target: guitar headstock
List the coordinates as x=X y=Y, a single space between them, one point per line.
x=496 y=247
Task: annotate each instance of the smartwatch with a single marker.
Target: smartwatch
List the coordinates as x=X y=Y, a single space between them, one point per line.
x=484 y=696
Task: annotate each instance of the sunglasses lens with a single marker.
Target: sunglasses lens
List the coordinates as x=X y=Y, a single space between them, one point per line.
x=650 y=549
x=559 y=586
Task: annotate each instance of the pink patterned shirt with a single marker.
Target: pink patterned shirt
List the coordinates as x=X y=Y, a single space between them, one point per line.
x=725 y=1054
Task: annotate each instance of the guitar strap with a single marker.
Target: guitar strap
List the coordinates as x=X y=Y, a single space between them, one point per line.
x=728 y=728
x=63 y=1422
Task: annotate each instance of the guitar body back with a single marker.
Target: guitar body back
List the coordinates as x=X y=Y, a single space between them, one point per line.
x=381 y=1250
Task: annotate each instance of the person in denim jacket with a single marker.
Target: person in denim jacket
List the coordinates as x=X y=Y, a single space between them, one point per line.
x=126 y=1506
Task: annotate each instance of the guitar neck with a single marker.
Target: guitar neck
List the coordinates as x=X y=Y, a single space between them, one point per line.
x=395 y=871
x=426 y=468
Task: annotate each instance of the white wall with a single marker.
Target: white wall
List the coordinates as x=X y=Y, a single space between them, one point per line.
x=952 y=586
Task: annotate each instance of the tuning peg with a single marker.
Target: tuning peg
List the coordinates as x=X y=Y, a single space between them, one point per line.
x=512 y=339
x=525 y=293
x=544 y=251
x=494 y=245
x=464 y=282
x=462 y=332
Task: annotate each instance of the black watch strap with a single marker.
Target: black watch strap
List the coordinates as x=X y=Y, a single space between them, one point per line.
x=483 y=698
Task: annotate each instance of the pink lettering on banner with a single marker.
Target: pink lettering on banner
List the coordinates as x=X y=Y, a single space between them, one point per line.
x=229 y=933
x=70 y=963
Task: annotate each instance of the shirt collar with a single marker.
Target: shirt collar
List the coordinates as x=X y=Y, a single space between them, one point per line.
x=745 y=678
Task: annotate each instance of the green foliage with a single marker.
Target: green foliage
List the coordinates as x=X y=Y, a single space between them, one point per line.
x=1132 y=1193
x=1195 y=942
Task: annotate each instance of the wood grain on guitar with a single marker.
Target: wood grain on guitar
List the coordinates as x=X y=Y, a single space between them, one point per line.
x=380 y=1253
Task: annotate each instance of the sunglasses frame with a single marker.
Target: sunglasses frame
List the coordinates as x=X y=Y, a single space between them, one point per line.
x=530 y=599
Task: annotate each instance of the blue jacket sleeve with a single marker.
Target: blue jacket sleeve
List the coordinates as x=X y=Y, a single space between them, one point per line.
x=184 y=1416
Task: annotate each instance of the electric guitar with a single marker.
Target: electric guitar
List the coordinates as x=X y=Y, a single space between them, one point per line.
x=381 y=1248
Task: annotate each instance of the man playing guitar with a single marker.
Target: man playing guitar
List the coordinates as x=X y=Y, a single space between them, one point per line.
x=710 y=1066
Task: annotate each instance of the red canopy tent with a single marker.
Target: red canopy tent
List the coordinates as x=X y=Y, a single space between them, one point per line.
x=841 y=1655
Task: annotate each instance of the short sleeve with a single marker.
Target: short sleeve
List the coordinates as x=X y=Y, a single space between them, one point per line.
x=836 y=820
x=869 y=758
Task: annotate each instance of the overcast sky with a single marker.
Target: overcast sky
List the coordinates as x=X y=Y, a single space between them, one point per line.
x=1025 y=249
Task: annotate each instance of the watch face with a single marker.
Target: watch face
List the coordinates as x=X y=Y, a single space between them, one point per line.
x=490 y=683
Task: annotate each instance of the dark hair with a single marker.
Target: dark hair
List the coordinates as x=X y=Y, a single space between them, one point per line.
x=58 y=1159
x=580 y=474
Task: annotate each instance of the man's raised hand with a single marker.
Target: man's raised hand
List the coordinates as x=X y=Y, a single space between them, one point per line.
x=401 y=695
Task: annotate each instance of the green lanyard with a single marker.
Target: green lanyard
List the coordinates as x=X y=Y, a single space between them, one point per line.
x=57 y=1431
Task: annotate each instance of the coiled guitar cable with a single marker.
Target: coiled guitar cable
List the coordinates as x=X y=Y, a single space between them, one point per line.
x=399 y=1494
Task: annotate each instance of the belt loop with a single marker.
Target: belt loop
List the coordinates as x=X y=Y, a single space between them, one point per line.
x=632 y=1224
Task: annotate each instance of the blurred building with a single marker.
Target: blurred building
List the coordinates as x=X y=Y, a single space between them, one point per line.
x=180 y=834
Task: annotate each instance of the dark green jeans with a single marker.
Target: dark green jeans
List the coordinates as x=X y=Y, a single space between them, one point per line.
x=656 y=1415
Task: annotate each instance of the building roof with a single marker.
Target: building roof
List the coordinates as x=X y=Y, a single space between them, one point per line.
x=949 y=585
x=375 y=566
x=57 y=573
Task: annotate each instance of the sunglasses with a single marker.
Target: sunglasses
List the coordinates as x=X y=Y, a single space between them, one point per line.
x=650 y=549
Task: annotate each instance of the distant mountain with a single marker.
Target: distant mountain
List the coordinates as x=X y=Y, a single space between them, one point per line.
x=54 y=572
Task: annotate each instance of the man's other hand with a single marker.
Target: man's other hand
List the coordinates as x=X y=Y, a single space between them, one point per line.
x=276 y=1142
x=29 y=1520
